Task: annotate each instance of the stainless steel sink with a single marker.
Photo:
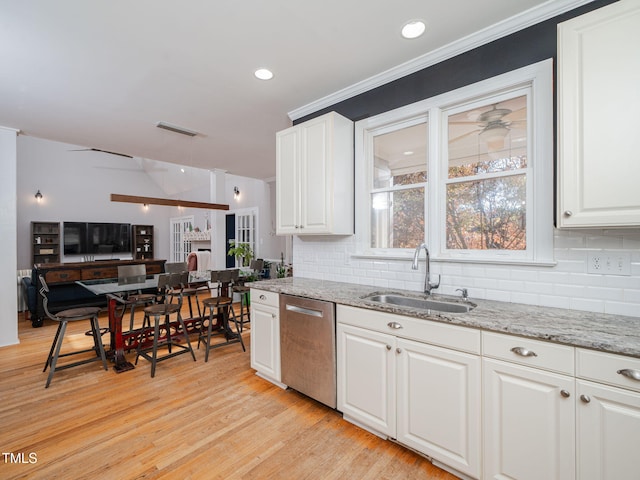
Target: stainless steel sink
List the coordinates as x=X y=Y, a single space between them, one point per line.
x=421 y=303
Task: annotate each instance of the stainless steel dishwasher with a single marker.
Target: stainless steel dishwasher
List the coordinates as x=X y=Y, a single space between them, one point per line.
x=308 y=347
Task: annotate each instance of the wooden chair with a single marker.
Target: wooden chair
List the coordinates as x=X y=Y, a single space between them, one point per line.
x=63 y=318
x=220 y=309
x=168 y=285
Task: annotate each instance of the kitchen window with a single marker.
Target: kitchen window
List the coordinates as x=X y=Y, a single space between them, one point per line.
x=469 y=171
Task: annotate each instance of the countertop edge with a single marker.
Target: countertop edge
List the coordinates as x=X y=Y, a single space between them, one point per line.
x=614 y=334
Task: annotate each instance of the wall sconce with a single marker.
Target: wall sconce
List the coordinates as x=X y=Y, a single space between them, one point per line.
x=146 y=206
x=38 y=196
x=236 y=192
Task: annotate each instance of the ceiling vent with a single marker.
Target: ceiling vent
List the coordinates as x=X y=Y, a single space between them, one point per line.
x=177 y=129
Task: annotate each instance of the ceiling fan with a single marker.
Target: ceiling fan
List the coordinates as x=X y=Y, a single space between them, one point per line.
x=492 y=126
x=102 y=167
x=102 y=151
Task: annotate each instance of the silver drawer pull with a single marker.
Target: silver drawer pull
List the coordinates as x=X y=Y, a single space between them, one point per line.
x=523 y=352
x=263 y=297
x=585 y=398
x=394 y=325
x=388 y=347
x=565 y=393
x=629 y=373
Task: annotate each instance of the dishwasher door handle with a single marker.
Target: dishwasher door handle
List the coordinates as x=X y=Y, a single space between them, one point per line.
x=304 y=311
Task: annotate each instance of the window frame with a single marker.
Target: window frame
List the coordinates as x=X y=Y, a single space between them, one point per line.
x=537 y=80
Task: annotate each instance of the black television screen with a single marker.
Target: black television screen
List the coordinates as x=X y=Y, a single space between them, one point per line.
x=108 y=237
x=96 y=238
x=75 y=238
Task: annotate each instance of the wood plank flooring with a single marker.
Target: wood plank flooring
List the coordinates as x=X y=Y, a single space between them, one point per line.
x=194 y=420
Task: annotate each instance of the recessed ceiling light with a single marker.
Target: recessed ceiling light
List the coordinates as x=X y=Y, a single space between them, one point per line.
x=263 y=74
x=413 y=29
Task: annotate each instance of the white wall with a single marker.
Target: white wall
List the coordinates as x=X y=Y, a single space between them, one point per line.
x=8 y=221
x=258 y=193
x=76 y=186
x=565 y=285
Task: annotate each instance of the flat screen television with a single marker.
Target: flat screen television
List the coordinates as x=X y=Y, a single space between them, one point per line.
x=74 y=235
x=96 y=238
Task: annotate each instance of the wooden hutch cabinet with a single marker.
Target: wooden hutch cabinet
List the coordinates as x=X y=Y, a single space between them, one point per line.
x=45 y=242
x=142 y=242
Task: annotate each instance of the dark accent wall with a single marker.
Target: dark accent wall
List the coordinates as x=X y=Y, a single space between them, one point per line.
x=517 y=50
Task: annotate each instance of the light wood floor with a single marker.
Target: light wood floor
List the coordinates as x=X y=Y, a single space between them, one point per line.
x=194 y=420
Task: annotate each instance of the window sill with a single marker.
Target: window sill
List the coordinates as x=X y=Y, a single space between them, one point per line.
x=487 y=261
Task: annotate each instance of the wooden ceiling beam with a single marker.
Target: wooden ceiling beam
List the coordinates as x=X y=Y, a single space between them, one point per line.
x=115 y=197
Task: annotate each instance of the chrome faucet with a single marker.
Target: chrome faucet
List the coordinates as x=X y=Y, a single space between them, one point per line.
x=428 y=285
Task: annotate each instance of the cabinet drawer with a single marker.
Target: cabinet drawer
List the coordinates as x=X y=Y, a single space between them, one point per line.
x=61 y=276
x=426 y=331
x=604 y=367
x=265 y=298
x=100 y=272
x=525 y=351
x=153 y=268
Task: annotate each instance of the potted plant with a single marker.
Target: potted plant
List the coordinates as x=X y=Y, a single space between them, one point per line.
x=242 y=252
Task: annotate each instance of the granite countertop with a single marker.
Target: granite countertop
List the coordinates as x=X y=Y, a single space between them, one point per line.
x=609 y=333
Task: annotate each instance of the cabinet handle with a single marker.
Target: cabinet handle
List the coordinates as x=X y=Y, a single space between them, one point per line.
x=394 y=325
x=523 y=352
x=296 y=226
x=273 y=315
x=263 y=297
x=565 y=393
x=398 y=350
x=568 y=213
x=388 y=347
x=585 y=398
x=629 y=373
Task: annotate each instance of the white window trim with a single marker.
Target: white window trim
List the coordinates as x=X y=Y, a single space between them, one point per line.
x=254 y=235
x=539 y=78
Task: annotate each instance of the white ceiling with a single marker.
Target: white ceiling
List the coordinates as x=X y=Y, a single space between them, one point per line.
x=102 y=73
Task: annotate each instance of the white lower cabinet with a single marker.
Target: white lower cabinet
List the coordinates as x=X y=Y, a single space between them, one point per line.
x=438 y=411
x=425 y=396
x=608 y=432
x=265 y=335
x=529 y=423
x=608 y=415
x=366 y=378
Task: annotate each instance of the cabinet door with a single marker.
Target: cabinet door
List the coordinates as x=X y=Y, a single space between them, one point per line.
x=315 y=169
x=608 y=432
x=439 y=404
x=598 y=101
x=287 y=184
x=366 y=378
x=529 y=426
x=265 y=341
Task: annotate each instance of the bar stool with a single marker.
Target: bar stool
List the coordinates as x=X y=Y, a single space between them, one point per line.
x=166 y=283
x=188 y=290
x=243 y=291
x=128 y=274
x=220 y=308
x=64 y=317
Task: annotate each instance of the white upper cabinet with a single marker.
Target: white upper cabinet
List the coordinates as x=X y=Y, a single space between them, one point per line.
x=598 y=105
x=314 y=177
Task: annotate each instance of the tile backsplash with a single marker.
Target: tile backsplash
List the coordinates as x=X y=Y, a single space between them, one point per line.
x=565 y=285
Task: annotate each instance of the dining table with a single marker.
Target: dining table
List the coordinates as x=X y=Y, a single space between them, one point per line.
x=116 y=293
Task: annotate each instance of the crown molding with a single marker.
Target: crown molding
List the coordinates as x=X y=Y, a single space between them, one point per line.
x=545 y=11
